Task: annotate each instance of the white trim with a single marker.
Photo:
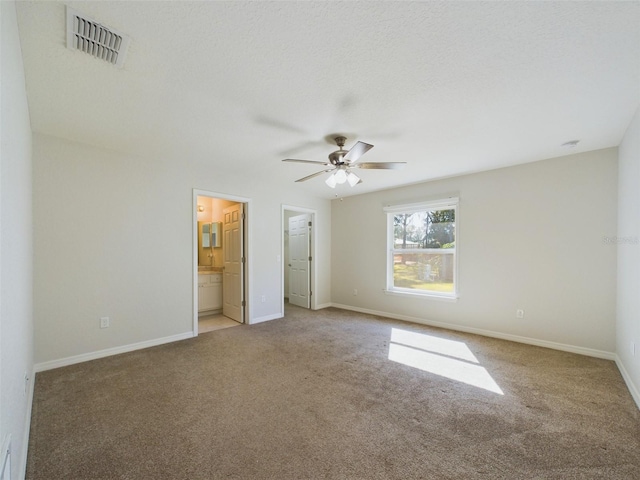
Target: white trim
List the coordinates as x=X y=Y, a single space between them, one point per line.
x=323 y=305
x=590 y=352
x=451 y=203
x=633 y=389
x=441 y=204
x=247 y=279
x=312 y=253
x=85 y=357
x=27 y=426
x=418 y=294
x=438 y=251
x=266 y=318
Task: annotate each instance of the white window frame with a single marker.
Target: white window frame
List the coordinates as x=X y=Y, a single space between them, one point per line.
x=391 y=210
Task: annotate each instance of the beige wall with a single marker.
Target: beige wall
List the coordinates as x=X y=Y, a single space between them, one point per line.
x=16 y=265
x=529 y=237
x=628 y=301
x=206 y=214
x=113 y=237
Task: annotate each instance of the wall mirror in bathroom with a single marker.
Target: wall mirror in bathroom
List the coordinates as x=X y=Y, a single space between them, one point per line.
x=206 y=235
x=216 y=234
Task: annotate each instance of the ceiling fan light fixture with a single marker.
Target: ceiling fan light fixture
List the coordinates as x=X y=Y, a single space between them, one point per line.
x=331 y=180
x=353 y=179
x=340 y=175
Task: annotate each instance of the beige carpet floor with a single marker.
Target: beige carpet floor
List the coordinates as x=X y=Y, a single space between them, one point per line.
x=335 y=395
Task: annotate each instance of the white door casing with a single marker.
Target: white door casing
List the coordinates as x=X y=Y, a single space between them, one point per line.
x=299 y=260
x=233 y=254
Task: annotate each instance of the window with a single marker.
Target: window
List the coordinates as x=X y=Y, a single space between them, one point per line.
x=422 y=248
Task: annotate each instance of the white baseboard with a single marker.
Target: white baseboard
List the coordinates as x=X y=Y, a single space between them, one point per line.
x=323 y=305
x=85 y=357
x=590 y=352
x=633 y=389
x=266 y=318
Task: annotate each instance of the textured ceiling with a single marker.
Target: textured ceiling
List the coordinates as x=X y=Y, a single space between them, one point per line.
x=449 y=87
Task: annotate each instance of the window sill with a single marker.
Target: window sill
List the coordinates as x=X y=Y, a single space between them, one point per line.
x=431 y=296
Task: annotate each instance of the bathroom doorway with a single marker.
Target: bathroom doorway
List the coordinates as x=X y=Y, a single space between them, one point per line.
x=220 y=269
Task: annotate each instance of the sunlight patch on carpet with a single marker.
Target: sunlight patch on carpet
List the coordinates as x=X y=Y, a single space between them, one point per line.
x=446 y=358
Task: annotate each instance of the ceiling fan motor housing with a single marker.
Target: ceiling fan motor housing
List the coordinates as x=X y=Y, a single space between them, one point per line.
x=336 y=157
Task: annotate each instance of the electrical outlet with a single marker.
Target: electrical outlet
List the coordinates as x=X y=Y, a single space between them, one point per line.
x=104 y=322
x=26 y=383
x=263 y=298
x=355 y=292
x=519 y=313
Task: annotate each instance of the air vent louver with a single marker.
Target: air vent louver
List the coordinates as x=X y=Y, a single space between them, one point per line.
x=89 y=36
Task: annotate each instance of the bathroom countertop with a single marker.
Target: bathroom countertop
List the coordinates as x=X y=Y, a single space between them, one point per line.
x=210 y=271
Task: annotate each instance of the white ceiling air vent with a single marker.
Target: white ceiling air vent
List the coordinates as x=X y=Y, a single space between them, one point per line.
x=89 y=36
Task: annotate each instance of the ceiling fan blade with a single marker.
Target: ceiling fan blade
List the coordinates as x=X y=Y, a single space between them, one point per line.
x=309 y=177
x=275 y=123
x=356 y=152
x=381 y=165
x=304 y=161
x=302 y=146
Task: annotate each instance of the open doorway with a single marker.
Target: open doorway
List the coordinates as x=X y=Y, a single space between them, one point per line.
x=220 y=276
x=298 y=243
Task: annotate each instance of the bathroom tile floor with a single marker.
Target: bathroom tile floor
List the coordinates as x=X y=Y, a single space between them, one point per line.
x=218 y=321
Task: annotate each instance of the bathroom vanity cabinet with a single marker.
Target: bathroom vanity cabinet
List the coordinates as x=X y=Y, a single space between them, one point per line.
x=209 y=292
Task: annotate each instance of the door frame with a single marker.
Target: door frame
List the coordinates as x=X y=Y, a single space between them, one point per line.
x=248 y=264
x=312 y=252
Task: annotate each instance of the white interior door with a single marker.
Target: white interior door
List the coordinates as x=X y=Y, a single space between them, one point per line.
x=299 y=263
x=233 y=254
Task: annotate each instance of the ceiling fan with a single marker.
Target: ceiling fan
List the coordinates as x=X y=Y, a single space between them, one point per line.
x=344 y=161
